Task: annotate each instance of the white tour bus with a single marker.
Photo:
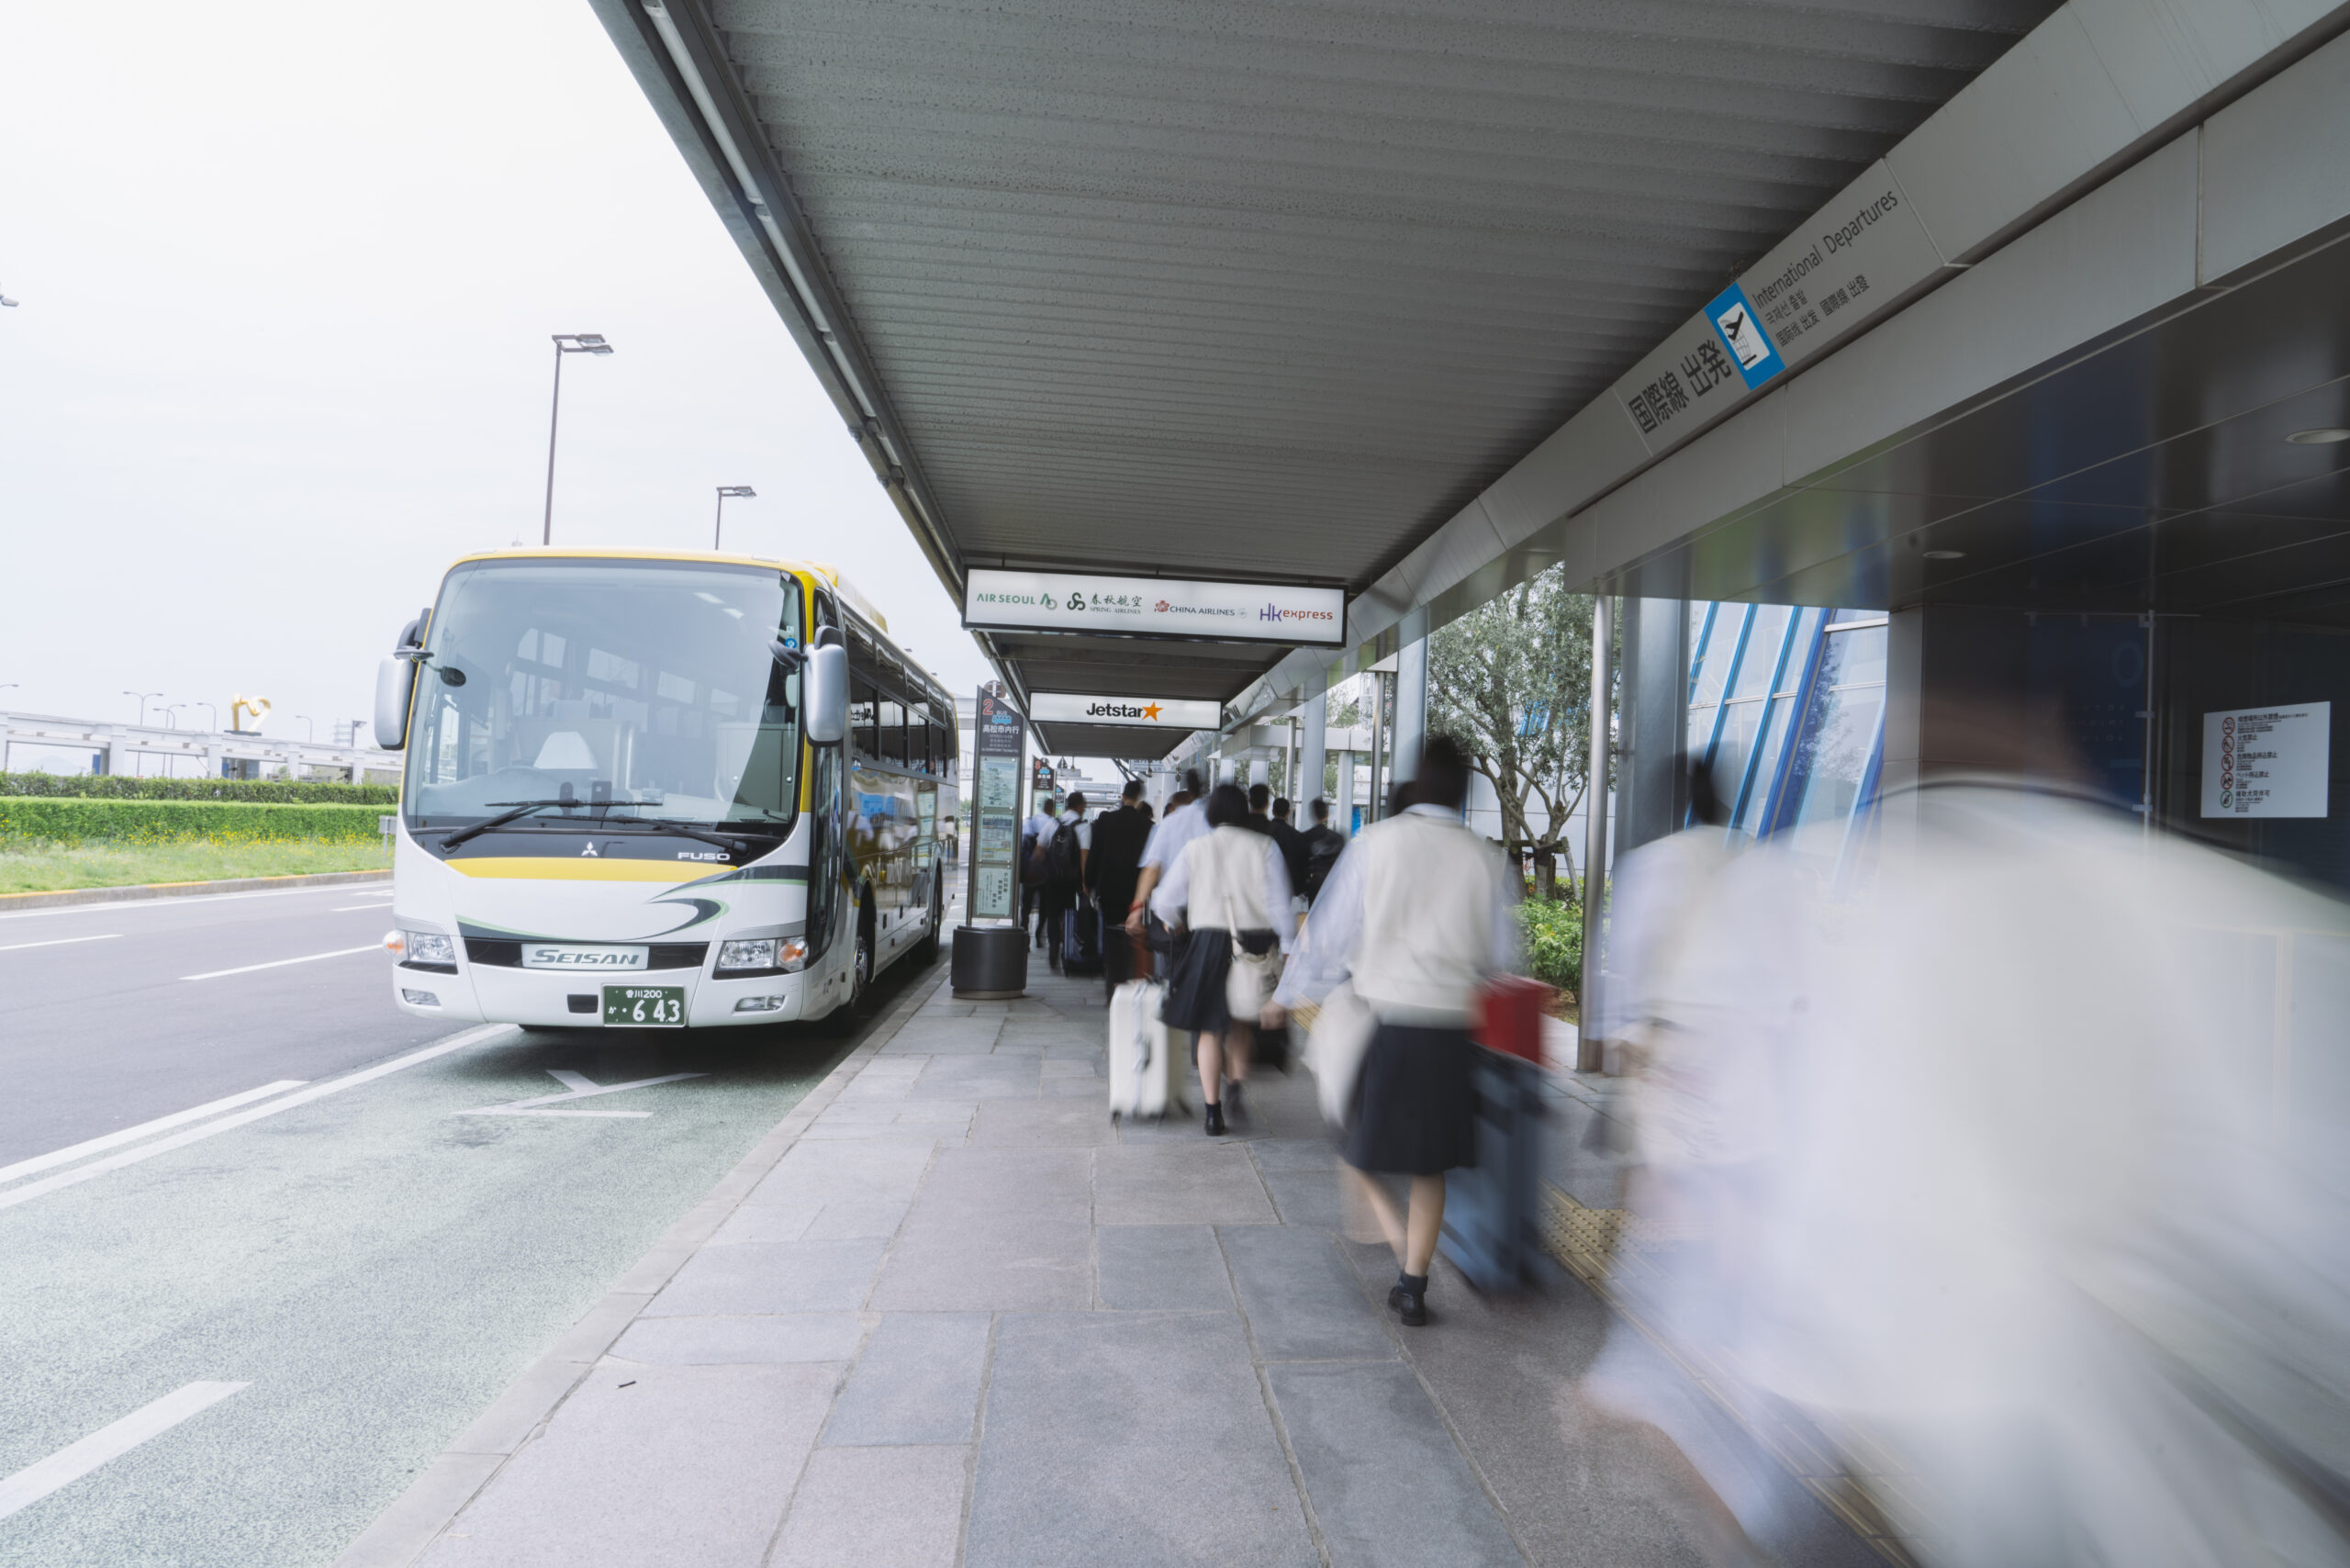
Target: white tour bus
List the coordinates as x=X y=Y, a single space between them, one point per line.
x=654 y=788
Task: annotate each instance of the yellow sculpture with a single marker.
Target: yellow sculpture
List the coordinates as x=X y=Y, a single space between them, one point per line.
x=257 y=706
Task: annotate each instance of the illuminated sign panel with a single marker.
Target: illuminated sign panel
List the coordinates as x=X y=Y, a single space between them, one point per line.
x=1154 y=607
x=1134 y=713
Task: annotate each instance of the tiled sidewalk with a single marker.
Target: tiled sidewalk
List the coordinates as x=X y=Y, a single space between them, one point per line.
x=965 y=1319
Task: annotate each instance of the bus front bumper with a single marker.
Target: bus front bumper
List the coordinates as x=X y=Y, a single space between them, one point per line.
x=480 y=993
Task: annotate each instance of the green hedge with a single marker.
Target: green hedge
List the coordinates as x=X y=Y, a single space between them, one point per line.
x=1553 y=935
x=120 y=786
x=178 y=821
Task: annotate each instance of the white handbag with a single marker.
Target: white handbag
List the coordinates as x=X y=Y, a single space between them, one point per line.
x=1249 y=983
x=1335 y=1047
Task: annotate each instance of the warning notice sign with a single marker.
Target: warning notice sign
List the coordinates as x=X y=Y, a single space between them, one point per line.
x=2266 y=762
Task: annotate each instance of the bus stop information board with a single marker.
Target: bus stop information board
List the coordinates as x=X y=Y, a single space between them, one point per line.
x=995 y=852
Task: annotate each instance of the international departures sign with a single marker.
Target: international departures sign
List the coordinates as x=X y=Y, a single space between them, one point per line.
x=1153 y=607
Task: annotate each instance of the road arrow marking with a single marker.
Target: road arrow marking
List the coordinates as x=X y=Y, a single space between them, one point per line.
x=577 y=1087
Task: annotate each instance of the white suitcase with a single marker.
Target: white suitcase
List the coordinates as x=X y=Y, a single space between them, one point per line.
x=1147 y=1063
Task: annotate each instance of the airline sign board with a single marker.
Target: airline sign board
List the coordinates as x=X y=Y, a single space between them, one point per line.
x=1153 y=607
x=1134 y=712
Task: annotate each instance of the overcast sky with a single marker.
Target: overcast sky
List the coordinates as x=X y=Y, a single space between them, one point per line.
x=286 y=274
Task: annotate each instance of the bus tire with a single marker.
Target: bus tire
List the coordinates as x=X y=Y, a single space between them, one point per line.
x=926 y=950
x=861 y=964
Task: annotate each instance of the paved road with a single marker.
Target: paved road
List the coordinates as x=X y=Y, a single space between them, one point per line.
x=101 y=1031
x=372 y=1263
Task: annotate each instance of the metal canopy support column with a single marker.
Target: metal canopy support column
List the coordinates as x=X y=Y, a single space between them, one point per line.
x=1411 y=709
x=1313 y=752
x=1595 y=849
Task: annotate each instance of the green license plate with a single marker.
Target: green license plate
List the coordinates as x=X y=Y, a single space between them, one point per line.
x=646 y=1006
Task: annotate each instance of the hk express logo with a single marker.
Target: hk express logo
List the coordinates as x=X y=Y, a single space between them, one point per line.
x=1276 y=613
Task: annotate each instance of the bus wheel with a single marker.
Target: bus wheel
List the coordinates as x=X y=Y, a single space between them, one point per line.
x=926 y=950
x=860 y=992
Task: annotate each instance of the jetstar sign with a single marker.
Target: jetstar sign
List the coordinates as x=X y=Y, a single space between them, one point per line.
x=1154 y=607
x=1130 y=713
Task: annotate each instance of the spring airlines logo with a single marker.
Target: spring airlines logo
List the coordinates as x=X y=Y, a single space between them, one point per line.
x=1275 y=612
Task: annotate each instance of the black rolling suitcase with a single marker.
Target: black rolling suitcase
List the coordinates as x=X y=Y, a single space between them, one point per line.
x=1081 y=944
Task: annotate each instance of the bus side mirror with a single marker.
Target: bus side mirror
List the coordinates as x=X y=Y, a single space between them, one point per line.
x=395 y=685
x=824 y=694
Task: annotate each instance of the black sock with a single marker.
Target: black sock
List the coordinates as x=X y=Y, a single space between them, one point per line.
x=1417 y=1285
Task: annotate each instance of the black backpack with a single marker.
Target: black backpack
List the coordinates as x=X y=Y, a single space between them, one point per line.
x=1062 y=862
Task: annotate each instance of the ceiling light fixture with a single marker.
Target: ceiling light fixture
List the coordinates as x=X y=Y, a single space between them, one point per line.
x=2324 y=435
x=1945 y=554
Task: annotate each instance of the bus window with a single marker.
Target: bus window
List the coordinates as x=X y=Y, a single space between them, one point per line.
x=892 y=750
x=862 y=710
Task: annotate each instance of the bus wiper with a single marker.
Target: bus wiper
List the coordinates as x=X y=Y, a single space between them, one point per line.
x=683 y=830
x=522 y=809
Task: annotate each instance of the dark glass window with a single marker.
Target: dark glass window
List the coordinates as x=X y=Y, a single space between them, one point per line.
x=863 y=707
x=892 y=749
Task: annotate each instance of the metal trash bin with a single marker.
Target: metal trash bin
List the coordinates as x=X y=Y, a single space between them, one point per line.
x=990 y=962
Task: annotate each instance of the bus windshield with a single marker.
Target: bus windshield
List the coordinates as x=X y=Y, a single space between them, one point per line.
x=650 y=685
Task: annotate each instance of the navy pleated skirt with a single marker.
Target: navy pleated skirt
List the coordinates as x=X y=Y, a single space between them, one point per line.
x=1415 y=1110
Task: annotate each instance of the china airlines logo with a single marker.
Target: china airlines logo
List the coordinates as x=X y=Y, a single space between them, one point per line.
x=1162 y=607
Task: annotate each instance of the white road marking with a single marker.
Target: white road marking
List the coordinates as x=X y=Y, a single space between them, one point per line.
x=32 y=1189
x=132 y=1135
x=60 y=942
x=281 y=963
x=69 y=1464
x=352 y=908
x=577 y=1087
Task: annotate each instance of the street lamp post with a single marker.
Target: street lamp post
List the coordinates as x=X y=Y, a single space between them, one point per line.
x=564 y=342
x=211 y=709
x=170 y=721
x=142 y=697
x=719 y=528
x=310 y=730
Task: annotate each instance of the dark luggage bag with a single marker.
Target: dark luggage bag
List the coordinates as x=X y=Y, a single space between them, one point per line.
x=1081 y=942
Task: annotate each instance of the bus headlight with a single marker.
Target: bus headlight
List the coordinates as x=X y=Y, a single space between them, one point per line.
x=427 y=947
x=761 y=955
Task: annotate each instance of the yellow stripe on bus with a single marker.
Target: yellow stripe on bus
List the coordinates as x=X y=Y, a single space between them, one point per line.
x=583 y=868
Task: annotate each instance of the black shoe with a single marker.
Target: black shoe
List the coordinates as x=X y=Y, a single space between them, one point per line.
x=1408 y=1300
x=1216 y=1121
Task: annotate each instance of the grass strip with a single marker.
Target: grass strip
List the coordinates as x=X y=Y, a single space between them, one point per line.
x=41 y=869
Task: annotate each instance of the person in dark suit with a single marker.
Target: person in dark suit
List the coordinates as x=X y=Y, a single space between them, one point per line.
x=1293 y=843
x=1112 y=869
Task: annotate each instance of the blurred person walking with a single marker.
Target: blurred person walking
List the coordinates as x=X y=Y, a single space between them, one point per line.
x=1064 y=884
x=1035 y=840
x=1229 y=892
x=1113 y=869
x=1321 y=847
x=1417 y=913
x=1186 y=820
x=1292 y=845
